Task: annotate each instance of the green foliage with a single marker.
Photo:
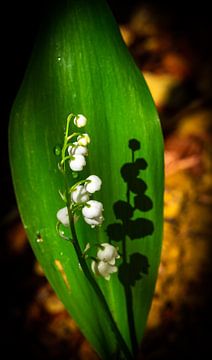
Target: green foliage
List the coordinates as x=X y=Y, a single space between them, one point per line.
x=81 y=65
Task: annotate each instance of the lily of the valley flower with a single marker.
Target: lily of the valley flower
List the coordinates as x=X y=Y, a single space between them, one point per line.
x=92 y=212
x=80 y=120
x=108 y=253
x=92 y=209
x=77 y=149
x=94 y=221
x=62 y=216
x=103 y=268
x=77 y=163
x=80 y=195
x=94 y=184
x=83 y=139
x=104 y=264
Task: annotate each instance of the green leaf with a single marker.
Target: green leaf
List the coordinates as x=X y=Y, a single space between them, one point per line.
x=81 y=65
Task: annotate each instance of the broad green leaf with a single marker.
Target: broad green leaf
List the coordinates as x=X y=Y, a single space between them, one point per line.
x=81 y=65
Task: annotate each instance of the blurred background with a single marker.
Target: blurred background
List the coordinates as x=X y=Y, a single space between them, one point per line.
x=171 y=45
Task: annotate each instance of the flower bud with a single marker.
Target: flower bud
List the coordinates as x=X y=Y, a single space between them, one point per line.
x=80 y=120
x=83 y=139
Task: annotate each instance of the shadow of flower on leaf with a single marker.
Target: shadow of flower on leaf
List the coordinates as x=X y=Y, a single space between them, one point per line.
x=130 y=226
x=131 y=272
x=127 y=226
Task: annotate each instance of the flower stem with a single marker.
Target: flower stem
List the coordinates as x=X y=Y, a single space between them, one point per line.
x=122 y=344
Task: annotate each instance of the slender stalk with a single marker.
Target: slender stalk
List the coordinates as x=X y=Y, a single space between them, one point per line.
x=119 y=338
x=122 y=344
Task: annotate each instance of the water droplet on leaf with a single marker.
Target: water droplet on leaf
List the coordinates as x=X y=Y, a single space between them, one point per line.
x=38 y=237
x=57 y=150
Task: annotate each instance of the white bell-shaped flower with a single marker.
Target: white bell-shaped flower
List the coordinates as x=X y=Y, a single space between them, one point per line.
x=92 y=209
x=92 y=213
x=62 y=216
x=97 y=221
x=83 y=139
x=103 y=268
x=80 y=195
x=77 y=163
x=94 y=184
x=108 y=253
x=77 y=149
x=80 y=120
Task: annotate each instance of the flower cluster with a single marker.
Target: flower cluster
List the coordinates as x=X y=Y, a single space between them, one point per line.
x=78 y=151
x=78 y=198
x=104 y=264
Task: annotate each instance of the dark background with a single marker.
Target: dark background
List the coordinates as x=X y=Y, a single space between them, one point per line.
x=20 y=22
